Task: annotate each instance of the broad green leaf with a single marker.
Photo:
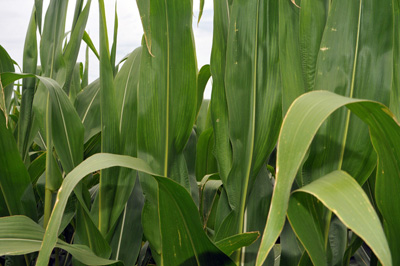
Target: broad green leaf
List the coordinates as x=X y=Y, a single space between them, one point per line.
x=110 y=135
x=167 y=88
x=126 y=82
x=20 y=235
x=15 y=183
x=90 y=165
x=86 y=233
x=183 y=240
x=253 y=96
x=299 y=127
x=167 y=99
x=344 y=67
x=127 y=239
x=218 y=105
x=341 y=194
x=293 y=84
x=67 y=128
x=233 y=243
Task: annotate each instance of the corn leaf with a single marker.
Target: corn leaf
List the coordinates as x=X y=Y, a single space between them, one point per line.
x=25 y=120
x=92 y=164
x=395 y=91
x=110 y=136
x=293 y=84
x=253 y=96
x=202 y=79
x=344 y=67
x=87 y=105
x=218 y=105
x=341 y=194
x=298 y=129
x=127 y=239
x=183 y=240
x=6 y=65
x=312 y=23
x=126 y=82
x=166 y=99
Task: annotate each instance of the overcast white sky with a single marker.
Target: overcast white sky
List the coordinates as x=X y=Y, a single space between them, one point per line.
x=15 y=14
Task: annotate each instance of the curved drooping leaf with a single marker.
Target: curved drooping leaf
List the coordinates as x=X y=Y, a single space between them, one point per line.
x=344 y=67
x=20 y=235
x=342 y=195
x=253 y=96
x=167 y=99
x=90 y=165
x=183 y=219
x=300 y=126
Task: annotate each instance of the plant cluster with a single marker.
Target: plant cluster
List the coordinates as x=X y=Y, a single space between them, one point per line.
x=295 y=159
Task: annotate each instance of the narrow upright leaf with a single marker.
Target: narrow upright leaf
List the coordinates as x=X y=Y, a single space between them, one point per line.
x=110 y=137
x=253 y=96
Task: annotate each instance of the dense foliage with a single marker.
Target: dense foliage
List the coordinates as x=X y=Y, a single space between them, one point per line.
x=284 y=165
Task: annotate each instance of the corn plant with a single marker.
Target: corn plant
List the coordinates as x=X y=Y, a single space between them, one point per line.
x=293 y=161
